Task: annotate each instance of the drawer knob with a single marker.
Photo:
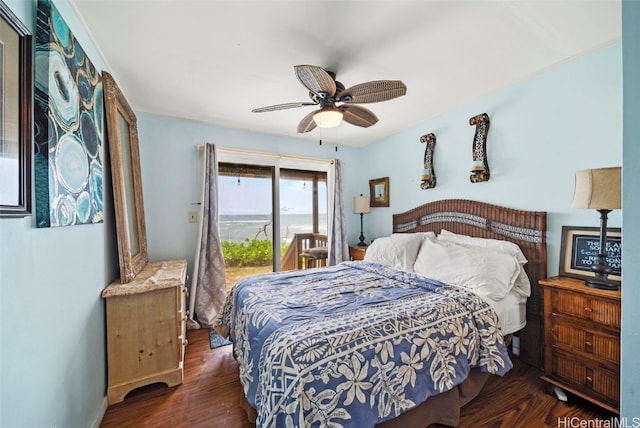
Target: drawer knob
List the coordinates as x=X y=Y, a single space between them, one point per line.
x=588 y=309
x=588 y=343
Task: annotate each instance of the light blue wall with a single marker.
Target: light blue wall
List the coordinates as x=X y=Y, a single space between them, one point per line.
x=169 y=160
x=631 y=201
x=52 y=338
x=541 y=131
x=52 y=352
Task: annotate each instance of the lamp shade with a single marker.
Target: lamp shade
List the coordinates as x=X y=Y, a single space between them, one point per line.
x=361 y=205
x=598 y=188
x=328 y=117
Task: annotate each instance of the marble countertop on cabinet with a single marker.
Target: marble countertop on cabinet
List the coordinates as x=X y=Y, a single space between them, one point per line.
x=154 y=276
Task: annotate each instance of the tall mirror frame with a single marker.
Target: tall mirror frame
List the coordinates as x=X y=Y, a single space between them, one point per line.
x=122 y=132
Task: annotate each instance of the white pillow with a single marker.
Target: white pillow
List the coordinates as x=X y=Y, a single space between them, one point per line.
x=522 y=285
x=497 y=244
x=398 y=250
x=423 y=235
x=486 y=271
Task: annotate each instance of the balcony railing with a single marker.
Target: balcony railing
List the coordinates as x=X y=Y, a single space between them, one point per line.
x=305 y=251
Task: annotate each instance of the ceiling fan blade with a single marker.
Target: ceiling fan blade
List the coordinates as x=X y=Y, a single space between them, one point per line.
x=358 y=116
x=373 y=92
x=315 y=79
x=307 y=123
x=282 y=107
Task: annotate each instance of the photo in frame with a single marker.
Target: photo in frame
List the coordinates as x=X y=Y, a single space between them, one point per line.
x=15 y=115
x=379 y=192
x=69 y=126
x=579 y=249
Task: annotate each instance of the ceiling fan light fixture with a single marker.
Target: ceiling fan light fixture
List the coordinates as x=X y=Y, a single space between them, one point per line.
x=328 y=117
x=325 y=92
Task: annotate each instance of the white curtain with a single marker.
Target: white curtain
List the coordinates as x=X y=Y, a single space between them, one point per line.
x=338 y=246
x=208 y=288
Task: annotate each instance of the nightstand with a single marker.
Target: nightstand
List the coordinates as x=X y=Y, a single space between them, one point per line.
x=357 y=252
x=582 y=340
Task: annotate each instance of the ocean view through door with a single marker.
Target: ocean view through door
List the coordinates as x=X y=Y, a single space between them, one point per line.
x=255 y=198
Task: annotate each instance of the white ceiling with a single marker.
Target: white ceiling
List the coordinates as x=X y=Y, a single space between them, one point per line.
x=213 y=61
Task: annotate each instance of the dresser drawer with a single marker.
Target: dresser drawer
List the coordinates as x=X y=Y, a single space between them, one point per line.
x=601 y=311
x=183 y=314
x=573 y=338
x=589 y=379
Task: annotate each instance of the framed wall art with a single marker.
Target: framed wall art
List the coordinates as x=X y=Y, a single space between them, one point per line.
x=15 y=115
x=379 y=192
x=69 y=126
x=579 y=249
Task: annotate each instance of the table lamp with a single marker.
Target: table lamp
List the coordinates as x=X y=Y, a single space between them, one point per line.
x=599 y=189
x=361 y=206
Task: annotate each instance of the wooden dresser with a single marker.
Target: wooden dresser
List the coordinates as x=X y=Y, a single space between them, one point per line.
x=357 y=252
x=146 y=329
x=582 y=340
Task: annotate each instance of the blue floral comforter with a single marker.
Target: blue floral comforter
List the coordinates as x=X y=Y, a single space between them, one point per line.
x=355 y=344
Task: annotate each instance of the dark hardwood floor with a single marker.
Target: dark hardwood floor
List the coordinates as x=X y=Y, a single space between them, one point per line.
x=209 y=397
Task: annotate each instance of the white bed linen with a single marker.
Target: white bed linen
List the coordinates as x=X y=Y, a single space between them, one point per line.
x=511 y=310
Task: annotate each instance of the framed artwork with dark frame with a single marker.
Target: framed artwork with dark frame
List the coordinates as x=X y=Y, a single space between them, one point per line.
x=379 y=192
x=15 y=115
x=579 y=249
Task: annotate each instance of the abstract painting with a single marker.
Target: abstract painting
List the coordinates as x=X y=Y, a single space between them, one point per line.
x=69 y=125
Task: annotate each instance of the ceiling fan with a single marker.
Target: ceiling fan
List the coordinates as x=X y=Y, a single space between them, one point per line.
x=325 y=91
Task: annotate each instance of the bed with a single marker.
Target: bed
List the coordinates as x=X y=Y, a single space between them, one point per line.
x=365 y=344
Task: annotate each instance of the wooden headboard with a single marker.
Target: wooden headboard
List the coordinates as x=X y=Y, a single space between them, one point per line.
x=528 y=229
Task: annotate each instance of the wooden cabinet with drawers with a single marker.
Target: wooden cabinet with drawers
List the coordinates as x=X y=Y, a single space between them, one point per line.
x=146 y=329
x=582 y=340
x=357 y=252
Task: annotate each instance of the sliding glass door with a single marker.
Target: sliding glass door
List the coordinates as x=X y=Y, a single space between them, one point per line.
x=270 y=215
x=303 y=218
x=246 y=219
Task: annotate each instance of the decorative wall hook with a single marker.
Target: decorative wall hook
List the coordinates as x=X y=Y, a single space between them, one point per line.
x=480 y=167
x=428 y=173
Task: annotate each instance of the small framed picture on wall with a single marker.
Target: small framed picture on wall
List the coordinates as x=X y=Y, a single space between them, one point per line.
x=379 y=190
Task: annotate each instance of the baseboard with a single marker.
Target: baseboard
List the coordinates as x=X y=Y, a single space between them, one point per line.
x=100 y=414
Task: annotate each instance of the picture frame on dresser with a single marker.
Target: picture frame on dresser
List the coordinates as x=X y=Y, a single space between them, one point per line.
x=579 y=248
x=16 y=117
